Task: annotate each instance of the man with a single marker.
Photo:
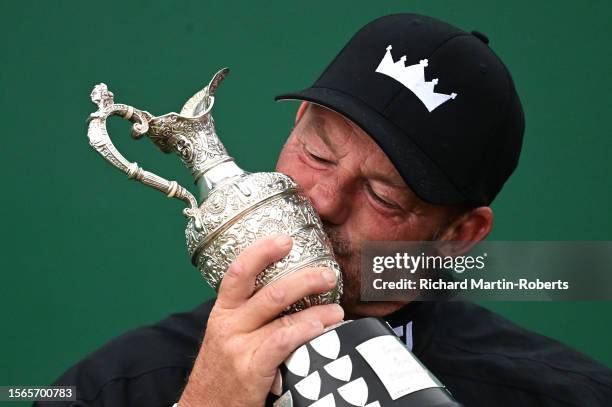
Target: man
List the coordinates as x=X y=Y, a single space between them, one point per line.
x=409 y=134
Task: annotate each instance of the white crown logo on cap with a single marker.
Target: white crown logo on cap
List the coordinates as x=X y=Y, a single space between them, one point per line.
x=413 y=78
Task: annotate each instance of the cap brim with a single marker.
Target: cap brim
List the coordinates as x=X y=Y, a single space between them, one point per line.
x=419 y=172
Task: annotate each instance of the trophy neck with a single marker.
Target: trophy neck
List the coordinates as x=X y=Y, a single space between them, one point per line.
x=195 y=141
x=216 y=175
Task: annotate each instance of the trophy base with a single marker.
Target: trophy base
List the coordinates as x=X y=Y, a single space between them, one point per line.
x=358 y=363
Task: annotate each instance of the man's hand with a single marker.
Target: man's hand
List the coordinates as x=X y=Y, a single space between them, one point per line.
x=245 y=339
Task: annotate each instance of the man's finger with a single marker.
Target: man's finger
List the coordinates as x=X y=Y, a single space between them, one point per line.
x=327 y=314
x=284 y=335
x=272 y=299
x=238 y=282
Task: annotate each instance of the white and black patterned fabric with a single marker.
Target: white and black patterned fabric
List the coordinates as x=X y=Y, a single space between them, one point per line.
x=331 y=371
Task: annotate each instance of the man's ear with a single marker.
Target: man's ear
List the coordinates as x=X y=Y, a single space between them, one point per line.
x=468 y=229
x=300 y=111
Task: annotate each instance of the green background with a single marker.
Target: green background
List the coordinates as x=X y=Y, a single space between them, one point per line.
x=87 y=254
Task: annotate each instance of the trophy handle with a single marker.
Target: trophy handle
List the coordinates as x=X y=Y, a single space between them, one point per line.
x=101 y=142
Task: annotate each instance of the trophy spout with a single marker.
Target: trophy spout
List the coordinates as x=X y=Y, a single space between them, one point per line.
x=192 y=135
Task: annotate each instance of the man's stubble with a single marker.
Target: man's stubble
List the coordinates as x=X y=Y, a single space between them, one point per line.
x=348 y=255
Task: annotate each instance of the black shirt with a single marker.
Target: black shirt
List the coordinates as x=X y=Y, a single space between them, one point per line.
x=482 y=358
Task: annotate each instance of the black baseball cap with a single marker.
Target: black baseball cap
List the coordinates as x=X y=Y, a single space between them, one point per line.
x=436 y=99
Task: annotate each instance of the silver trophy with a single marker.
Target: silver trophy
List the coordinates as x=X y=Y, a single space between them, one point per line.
x=236 y=207
x=360 y=363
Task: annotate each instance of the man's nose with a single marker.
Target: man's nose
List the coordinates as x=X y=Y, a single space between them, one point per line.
x=330 y=199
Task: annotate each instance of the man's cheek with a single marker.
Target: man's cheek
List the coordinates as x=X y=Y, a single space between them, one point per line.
x=292 y=165
x=366 y=223
x=287 y=159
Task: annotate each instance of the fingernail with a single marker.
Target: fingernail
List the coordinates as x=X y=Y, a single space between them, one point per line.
x=329 y=276
x=339 y=310
x=283 y=240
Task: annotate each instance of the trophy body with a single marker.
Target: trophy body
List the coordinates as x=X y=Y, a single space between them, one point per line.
x=249 y=207
x=351 y=363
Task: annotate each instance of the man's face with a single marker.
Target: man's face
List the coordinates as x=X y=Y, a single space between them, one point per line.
x=358 y=194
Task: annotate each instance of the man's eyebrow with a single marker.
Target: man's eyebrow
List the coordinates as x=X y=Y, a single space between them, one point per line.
x=318 y=125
